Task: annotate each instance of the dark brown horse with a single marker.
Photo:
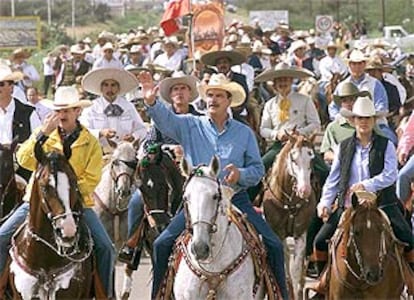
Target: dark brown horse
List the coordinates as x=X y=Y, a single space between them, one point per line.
x=289 y=202
x=161 y=183
x=51 y=252
x=10 y=195
x=366 y=257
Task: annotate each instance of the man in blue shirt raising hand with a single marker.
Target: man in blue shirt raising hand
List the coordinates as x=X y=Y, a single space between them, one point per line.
x=202 y=137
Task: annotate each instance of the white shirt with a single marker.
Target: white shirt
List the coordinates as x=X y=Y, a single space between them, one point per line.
x=248 y=71
x=102 y=62
x=6 y=123
x=29 y=71
x=41 y=110
x=48 y=63
x=129 y=122
x=172 y=63
x=329 y=65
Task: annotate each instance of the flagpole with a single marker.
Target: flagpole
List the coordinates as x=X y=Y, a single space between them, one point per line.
x=190 y=28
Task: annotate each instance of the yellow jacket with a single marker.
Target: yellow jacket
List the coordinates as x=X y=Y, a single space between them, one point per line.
x=86 y=160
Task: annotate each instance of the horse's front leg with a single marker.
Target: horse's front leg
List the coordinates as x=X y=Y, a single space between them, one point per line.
x=297 y=272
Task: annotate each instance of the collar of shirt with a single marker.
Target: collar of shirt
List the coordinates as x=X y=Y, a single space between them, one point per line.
x=358 y=81
x=279 y=96
x=9 y=109
x=227 y=124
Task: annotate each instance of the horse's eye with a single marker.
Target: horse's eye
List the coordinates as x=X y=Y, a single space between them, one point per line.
x=116 y=162
x=216 y=197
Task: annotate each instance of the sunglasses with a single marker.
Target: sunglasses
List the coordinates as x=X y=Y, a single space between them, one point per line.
x=3 y=83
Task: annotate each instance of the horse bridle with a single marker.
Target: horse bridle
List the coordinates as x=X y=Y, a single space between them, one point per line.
x=116 y=177
x=198 y=172
x=361 y=276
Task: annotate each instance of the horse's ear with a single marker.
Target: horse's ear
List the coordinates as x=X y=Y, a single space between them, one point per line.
x=39 y=153
x=312 y=137
x=136 y=143
x=291 y=137
x=215 y=165
x=112 y=144
x=14 y=143
x=186 y=168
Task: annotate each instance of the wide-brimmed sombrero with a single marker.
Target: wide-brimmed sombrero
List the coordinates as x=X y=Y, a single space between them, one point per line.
x=282 y=69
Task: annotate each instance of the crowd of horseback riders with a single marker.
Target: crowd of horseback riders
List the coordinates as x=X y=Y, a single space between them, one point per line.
x=236 y=107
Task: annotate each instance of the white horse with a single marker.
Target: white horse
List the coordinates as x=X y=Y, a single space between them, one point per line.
x=217 y=262
x=114 y=191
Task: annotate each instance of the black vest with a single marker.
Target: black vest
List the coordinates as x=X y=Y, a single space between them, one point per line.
x=21 y=121
x=376 y=165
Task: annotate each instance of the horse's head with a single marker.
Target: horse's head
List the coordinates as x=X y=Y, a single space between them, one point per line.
x=299 y=163
x=154 y=179
x=368 y=242
x=122 y=168
x=6 y=169
x=57 y=197
x=204 y=203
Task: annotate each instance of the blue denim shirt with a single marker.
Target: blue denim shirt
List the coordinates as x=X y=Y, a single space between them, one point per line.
x=200 y=139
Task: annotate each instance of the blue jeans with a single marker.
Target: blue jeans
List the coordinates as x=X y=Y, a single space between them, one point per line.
x=103 y=247
x=405 y=176
x=135 y=212
x=164 y=243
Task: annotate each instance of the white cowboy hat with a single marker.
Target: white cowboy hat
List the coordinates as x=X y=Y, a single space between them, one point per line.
x=178 y=78
x=66 y=97
x=357 y=56
x=108 y=46
x=135 y=49
x=363 y=107
x=297 y=45
x=282 y=69
x=220 y=81
x=76 y=49
x=6 y=74
x=91 y=82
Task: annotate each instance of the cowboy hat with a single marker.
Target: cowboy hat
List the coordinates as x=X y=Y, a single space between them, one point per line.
x=363 y=107
x=20 y=52
x=6 y=74
x=380 y=43
x=92 y=81
x=76 y=49
x=66 y=97
x=135 y=49
x=348 y=89
x=297 y=45
x=178 y=78
x=220 y=81
x=235 y=57
x=108 y=46
x=332 y=44
x=357 y=56
x=282 y=69
x=136 y=70
x=374 y=64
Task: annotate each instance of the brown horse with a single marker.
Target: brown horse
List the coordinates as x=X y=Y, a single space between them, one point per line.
x=366 y=257
x=10 y=195
x=331 y=86
x=289 y=202
x=51 y=251
x=161 y=184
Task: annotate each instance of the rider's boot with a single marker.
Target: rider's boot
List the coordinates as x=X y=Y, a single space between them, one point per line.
x=126 y=253
x=136 y=259
x=320 y=285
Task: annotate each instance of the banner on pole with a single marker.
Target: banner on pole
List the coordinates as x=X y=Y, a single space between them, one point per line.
x=19 y=32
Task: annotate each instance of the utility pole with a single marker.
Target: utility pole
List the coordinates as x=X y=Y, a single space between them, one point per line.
x=383 y=12
x=73 y=19
x=49 y=13
x=338 y=4
x=12 y=9
x=357 y=10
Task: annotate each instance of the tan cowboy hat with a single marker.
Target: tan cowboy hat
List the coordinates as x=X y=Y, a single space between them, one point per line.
x=380 y=43
x=108 y=46
x=332 y=44
x=136 y=70
x=135 y=49
x=66 y=97
x=20 y=52
x=363 y=107
x=374 y=64
x=178 y=78
x=348 y=89
x=282 y=69
x=76 y=49
x=235 y=57
x=357 y=56
x=91 y=82
x=6 y=74
x=220 y=81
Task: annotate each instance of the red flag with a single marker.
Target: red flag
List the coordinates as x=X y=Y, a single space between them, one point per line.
x=174 y=10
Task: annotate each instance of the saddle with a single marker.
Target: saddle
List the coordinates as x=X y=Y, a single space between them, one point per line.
x=254 y=247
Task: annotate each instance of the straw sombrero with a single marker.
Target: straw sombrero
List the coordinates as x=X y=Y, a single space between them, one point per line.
x=91 y=82
x=6 y=74
x=235 y=57
x=178 y=78
x=66 y=97
x=282 y=69
x=220 y=81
